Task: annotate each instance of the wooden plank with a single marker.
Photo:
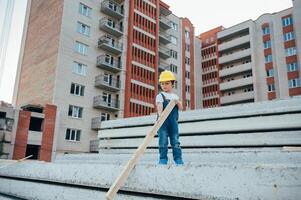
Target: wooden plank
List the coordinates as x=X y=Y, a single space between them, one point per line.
x=245 y=139
x=239 y=124
x=135 y=158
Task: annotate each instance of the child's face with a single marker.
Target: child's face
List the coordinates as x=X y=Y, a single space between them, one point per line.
x=166 y=86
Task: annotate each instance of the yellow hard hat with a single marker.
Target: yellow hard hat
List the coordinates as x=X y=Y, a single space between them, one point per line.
x=167 y=76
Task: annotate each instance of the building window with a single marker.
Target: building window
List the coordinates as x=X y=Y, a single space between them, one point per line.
x=105 y=116
x=174 y=54
x=268 y=58
x=73 y=134
x=187 y=88
x=85 y=10
x=187 y=61
x=292 y=67
x=287 y=21
x=271 y=88
x=293 y=83
x=187 y=34
x=270 y=73
x=77 y=90
x=267 y=44
x=289 y=36
x=83 y=29
x=266 y=30
x=291 y=51
x=174 y=68
x=187 y=47
x=174 y=26
x=174 y=40
x=81 y=48
x=187 y=74
x=79 y=68
x=188 y=103
x=75 y=111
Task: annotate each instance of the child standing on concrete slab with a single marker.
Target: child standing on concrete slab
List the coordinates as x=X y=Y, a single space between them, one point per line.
x=170 y=126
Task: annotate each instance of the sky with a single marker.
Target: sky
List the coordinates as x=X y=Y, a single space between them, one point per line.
x=205 y=15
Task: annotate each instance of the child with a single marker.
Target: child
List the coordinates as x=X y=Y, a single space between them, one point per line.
x=170 y=126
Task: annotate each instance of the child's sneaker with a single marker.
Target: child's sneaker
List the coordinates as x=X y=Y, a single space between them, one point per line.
x=163 y=162
x=179 y=162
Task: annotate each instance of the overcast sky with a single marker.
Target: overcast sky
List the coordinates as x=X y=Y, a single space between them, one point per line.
x=204 y=15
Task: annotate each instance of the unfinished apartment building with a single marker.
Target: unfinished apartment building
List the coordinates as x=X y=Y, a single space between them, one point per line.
x=257 y=60
x=100 y=60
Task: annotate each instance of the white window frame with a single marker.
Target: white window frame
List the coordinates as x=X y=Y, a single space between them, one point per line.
x=294 y=83
x=266 y=30
x=174 y=54
x=175 y=26
x=270 y=73
x=83 y=29
x=289 y=36
x=74 y=135
x=271 y=88
x=78 y=90
x=291 y=67
x=287 y=21
x=268 y=58
x=76 y=112
x=267 y=44
x=291 y=51
x=85 y=10
x=81 y=48
x=79 y=68
x=105 y=116
x=174 y=40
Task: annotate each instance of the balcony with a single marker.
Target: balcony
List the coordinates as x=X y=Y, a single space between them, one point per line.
x=95 y=123
x=94 y=145
x=104 y=103
x=106 y=83
x=236 y=83
x=110 y=64
x=110 y=27
x=235 y=70
x=234 y=56
x=110 y=45
x=119 y=1
x=164 y=53
x=112 y=9
x=164 y=38
x=165 y=24
x=237 y=98
x=233 y=43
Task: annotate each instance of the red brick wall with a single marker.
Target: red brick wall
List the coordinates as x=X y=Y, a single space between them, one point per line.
x=48 y=133
x=21 y=135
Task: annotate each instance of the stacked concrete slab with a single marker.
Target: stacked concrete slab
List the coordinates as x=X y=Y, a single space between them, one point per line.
x=249 y=151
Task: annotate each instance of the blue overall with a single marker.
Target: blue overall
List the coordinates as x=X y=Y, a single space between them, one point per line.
x=170 y=129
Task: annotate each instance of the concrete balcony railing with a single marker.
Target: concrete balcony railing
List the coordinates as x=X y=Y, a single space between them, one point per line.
x=233 y=43
x=164 y=52
x=110 y=45
x=235 y=69
x=110 y=27
x=94 y=145
x=234 y=56
x=164 y=38
x=96 y=123
x=108 y=63
x=112 y=9
x=106 y=83
x=109 y=105
x=236 y=98
x=165 y=23
x=236 y=83
x=163 y=66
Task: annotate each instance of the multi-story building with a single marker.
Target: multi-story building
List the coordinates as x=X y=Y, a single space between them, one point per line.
x=257 y=60
x=100 y=60
x=210 y=71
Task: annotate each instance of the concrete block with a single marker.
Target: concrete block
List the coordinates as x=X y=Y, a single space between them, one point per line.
x=7 y=136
